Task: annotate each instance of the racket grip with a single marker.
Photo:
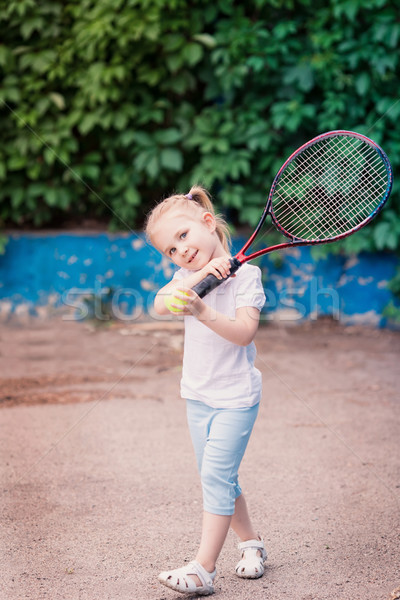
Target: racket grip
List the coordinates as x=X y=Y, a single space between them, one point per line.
x=210 y=282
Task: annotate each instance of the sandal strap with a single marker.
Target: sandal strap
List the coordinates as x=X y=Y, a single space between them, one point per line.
x=259 y=544
x=205 y=577
x=250 y=549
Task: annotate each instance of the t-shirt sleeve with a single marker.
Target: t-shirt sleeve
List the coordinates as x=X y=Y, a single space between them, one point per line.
x=179 y=274
x=250 y=291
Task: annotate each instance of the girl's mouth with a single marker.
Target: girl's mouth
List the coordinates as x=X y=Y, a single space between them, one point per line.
x=193 y=256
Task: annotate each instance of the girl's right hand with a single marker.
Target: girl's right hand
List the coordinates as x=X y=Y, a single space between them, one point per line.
x=220 y=267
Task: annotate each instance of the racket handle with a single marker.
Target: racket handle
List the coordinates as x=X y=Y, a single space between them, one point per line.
x=210 y=282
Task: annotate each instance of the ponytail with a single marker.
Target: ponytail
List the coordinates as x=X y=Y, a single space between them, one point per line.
x=199 y=195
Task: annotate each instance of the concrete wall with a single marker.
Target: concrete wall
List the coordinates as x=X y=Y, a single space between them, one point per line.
x=119 y=274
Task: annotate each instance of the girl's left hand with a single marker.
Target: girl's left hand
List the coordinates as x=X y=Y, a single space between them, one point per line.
x=193 y=303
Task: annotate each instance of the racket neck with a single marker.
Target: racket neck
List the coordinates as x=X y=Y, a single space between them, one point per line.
x=259 y=253
x=240 y=256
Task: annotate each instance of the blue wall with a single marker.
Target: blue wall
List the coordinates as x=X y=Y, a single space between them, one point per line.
x=45 y=272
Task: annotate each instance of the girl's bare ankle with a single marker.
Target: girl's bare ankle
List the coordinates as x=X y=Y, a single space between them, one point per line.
x=208 y=565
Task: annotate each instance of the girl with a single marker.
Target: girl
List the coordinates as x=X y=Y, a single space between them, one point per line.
x=221 y=386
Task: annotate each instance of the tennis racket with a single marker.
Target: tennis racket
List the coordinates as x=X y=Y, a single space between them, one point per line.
x=326 y=190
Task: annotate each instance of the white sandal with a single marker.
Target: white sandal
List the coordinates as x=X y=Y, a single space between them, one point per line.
x=180 y=580
x=251 y=565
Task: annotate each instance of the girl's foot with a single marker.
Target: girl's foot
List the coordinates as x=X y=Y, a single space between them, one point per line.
x=251 y=565
x=193 y=578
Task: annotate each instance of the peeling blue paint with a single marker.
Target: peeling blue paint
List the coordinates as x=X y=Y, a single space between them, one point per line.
x=41 y=271
x=352 y=290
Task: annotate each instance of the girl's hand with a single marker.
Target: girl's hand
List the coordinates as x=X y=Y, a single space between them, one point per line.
x=220 y=267
x=194 y=305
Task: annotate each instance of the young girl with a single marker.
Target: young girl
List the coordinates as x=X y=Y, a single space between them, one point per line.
x=221 y=386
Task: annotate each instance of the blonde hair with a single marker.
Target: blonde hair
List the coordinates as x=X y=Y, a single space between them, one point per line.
x=196 y=197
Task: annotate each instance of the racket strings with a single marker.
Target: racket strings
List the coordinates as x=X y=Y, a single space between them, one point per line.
x=318 y=200
x=319 y=213
x=329 y=188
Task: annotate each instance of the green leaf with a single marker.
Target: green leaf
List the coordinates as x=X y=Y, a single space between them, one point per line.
x=88 y=123
x=127 y=138
x=31 y=25
x=174 y=62
x=192 y=53
x=381 y=233
x=207 y=40
x=132 y=196
x=51 y=196
x=173 y=42
x=171 y=159
x=120 y=120
x=16 y=163
x=37 y=190
x=5 y=56
x=49 y=156
x=153 y=167
x=17 y=199
x=168 y=136
x=302 y=75
x=143 y=139
x=362 y=83
x=58 y=100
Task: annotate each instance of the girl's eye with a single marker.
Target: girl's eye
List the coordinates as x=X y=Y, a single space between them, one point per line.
x=172 y=251
x=183 y=235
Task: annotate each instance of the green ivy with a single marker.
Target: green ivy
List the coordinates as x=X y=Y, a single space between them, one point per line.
x=107 y=105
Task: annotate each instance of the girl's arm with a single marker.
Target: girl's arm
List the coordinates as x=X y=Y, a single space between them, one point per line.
x=240 y=330
x=220 y=267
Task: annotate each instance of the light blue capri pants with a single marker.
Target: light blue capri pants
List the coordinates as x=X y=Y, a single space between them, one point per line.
x=220 y=437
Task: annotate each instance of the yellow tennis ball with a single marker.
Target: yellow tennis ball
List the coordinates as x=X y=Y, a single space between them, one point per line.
x=169 y=299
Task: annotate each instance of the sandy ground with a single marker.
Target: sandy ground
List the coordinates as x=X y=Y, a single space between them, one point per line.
x=99 y=486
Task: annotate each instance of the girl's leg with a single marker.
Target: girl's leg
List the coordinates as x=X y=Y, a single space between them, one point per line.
x=220 y=439
x=241 y=523
x=228 y=434
x=214 y=532
x=215 y=529
x=251 y=563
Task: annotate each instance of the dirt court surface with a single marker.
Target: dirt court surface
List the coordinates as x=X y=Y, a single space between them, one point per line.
x=99 y=485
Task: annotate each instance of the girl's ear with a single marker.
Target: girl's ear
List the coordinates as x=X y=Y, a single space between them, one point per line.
x=209 y=221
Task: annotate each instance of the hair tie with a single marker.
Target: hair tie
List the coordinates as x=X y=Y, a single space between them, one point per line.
x=188 y=196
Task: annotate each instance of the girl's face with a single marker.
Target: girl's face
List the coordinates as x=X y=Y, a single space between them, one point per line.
x=188 y=238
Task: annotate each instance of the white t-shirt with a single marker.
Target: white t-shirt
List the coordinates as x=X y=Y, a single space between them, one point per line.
x=216 y=371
